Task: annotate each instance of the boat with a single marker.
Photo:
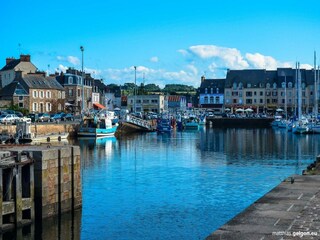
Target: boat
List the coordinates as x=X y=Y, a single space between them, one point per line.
x=24 y=135
x=97 y=125
x=191 y=123
x=164 y=125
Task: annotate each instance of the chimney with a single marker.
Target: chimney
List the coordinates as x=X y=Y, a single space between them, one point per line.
x=25 y=58
x=203 y=78
x=8 y=60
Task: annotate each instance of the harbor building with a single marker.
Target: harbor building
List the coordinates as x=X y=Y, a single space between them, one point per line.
x=267 y=90
x=211 y=94
x=148 y=103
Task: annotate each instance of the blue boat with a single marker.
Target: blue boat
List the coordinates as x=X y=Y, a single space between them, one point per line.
x=99 y=125
x=164 y=125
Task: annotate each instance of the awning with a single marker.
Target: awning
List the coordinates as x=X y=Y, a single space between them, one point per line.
x=98 y=105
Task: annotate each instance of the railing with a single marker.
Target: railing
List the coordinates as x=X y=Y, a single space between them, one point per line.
x=138 y=121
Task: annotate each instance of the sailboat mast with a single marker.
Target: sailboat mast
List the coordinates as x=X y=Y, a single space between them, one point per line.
x=299 y=93
x=315 y=86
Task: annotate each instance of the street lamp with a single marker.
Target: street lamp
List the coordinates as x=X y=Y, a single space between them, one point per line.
x=134 y=90
x=82 y=49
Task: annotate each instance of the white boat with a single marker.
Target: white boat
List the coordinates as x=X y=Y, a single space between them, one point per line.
x=24 y=135
x=97 y=125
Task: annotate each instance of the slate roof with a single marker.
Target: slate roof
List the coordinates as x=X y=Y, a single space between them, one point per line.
x=212 y=83
x=252 y=76
x=11 y=65
x=14 y=88
x=37 y=81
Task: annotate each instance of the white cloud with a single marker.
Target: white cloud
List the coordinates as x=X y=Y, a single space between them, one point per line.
x=306 y=66
x=73 y=60
x=62 y=68
x=61 y=58
x=154 y=59
x=231 y=57
x=258 y=60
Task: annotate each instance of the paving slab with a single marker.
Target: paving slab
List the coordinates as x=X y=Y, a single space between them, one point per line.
x=289 y=211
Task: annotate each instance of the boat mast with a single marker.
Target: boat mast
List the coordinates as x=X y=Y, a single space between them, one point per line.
x=315 y=86
x=299 y=93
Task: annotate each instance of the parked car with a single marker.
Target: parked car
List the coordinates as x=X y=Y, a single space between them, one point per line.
x=56 y=117
x=68 y=117
x=34 y=117
x=44 y=117
x=8 y=118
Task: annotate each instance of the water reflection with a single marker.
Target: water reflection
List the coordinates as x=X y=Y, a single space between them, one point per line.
x=181 y=185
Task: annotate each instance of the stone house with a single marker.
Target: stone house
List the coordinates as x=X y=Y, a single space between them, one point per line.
x=23 y=64
x=35 y=92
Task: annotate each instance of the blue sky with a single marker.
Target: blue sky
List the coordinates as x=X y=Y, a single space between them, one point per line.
x=168 y=41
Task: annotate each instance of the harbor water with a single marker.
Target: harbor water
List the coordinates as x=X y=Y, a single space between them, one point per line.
x=182 y=185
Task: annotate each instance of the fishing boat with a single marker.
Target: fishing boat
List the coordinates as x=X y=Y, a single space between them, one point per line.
x=164 y=125
x=97 y=125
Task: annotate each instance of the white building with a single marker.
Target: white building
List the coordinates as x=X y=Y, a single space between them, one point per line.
x=148 y=103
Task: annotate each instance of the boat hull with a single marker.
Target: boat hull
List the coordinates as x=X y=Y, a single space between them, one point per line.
x=97 y=132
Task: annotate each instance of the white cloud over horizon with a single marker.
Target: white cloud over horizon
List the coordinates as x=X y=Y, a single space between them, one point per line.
x=210 y=60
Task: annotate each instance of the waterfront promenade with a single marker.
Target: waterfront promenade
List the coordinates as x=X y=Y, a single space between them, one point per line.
x=289 y=211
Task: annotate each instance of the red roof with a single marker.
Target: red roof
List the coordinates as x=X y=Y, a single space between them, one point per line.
x=174 y=98
x=98 y=105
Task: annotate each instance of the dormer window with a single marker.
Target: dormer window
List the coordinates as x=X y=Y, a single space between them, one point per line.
x=290 y=85
x=283 y=84
x=217 y=90
x=274 y=85
x=234 y=85
x=211 y=90
x=249 y=85
x=268 y=85
x=70 y=80
x=206 y=90
x=303 y=86
x=240 y=85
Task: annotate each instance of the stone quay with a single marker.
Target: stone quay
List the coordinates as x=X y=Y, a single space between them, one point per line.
x=38 y=182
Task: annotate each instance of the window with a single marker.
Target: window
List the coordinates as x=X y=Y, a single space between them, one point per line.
x=248 y=85
x=206 y=99
x=35 y=94
x=59 y=107
x=211 y=90
x=255 y=93
x=227 y=93
x=20 y=98
x=41 y=94
x=240 y=86
x=59 y=94
x=274 y=94
x=261 y=101
x=303 y=85
x=249 y=94
x=261 y=93
x=138 y=101
x=154 y=101
x=217 y=90
x=248 y=101
x=79 y=93
x=206 y=90
x=146 y=101
x=234 y=101
x=211 y=99
x=217 y=99
x=240 y=94
x=234 y=93
x=20 y=104
x=268 y=85
x=48 y=94
x=290 y=85
x=70 y=80
x=283 y=85
x=35 y=107
x=70 y=92
x=48 y=107
x=63 y=95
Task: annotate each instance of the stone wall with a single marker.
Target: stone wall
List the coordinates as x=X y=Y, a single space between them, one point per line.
x=41 y=129
x=57 y=180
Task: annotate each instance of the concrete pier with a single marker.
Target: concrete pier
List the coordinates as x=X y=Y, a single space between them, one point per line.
x=289 y=211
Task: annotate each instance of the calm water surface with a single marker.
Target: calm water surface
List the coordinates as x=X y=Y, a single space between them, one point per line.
x=179 y=186
x=184 y=185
